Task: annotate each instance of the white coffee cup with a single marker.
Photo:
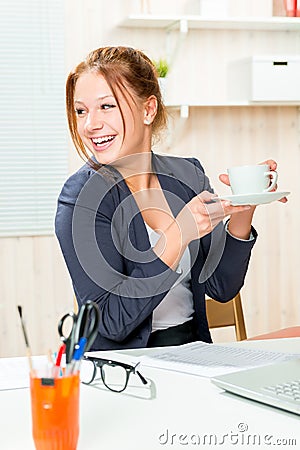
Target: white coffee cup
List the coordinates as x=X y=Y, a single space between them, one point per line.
x=251 y=179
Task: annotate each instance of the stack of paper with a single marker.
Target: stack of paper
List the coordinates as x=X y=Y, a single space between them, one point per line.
x=14 y=372
x=208 y=360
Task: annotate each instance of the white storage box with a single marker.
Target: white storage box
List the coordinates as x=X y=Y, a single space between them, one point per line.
x=265 y=79
x=213 y=8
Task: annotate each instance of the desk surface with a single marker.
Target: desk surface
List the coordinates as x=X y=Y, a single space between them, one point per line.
x=184 y=410
x=283 y=333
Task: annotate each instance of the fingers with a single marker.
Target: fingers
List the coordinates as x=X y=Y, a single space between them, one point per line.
x=206 y=196
x=283 y=200
x=217 y=209
x=230 y=209
x=223 y=177
x=273 y=166
x=211 y=205
x=271 y=163
x=200 y=215
x=208 y=209
x=274 y=188
x=203 y=213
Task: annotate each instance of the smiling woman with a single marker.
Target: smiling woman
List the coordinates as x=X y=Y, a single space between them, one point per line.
x=142 y=234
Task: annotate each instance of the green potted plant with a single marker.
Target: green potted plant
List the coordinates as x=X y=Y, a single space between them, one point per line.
x=162 y=68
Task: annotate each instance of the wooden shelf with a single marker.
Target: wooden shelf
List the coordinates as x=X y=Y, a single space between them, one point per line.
x=184 y=23
x=184 y=109
x=221 y=104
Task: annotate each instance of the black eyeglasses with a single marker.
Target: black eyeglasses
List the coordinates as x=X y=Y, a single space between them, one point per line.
x=114 y=374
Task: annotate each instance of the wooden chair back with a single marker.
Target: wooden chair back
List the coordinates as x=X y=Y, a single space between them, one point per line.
x=227 y=314
x=75 y=305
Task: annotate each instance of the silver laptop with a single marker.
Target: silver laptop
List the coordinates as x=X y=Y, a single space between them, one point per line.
x=276 y=385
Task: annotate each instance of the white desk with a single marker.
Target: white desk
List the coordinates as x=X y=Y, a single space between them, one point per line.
x=185 y=405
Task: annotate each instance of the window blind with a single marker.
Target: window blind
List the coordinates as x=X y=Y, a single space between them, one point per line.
x=33 y=136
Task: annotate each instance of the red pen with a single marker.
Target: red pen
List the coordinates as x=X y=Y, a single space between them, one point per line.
x=56 y=368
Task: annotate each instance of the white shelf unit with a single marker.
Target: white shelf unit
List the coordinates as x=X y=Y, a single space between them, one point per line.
x=199 y=22
x=184 y=23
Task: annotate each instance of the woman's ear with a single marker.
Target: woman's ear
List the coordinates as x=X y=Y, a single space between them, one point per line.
x=150 y=110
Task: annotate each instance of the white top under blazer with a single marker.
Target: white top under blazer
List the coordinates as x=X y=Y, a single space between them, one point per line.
x=177 y=306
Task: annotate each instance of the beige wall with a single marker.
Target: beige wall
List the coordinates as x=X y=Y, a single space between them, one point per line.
x=32 y=271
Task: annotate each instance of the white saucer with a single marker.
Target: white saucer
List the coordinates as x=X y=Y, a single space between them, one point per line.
x=254 y=199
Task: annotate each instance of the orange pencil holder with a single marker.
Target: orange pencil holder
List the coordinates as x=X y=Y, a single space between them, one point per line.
x=55 y=412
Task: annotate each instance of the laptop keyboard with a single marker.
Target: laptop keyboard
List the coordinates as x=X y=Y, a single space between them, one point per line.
x=288 y=391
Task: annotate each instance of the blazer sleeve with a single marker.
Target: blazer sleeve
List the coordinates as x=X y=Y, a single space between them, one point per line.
x=126 y=292
x=224 y=259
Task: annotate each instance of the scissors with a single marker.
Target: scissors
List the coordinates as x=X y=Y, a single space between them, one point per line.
x=83 y=325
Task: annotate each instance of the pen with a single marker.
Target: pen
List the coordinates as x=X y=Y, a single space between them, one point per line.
x=74 y=365
x=56 y=368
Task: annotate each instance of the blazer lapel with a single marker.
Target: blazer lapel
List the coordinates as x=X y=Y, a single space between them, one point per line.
x=172 y=177
x=172 y=174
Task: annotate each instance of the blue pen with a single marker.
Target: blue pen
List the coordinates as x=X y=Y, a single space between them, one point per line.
x=74 y=365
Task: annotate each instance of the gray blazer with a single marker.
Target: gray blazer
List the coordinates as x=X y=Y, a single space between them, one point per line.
x=106 y=247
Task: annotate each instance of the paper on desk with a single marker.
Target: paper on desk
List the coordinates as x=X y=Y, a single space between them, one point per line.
x=208 y=360
x=14 y=372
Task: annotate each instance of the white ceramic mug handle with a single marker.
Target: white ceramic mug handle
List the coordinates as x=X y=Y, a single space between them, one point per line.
x=274 y=176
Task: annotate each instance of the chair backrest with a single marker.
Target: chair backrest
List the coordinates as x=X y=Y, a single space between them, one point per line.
x=75 y=304
x=227 y=314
